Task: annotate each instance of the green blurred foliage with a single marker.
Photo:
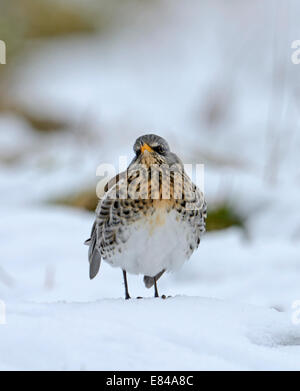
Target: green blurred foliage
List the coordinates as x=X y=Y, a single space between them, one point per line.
x=221 y=217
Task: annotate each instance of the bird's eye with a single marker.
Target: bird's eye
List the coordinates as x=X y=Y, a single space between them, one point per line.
x=159 y=149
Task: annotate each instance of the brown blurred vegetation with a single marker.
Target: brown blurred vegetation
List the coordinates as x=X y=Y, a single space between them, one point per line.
x=23 y=21
x=25 y=24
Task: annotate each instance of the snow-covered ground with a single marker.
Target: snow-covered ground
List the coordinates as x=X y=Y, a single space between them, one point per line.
x=63 y=320
x=180 y=333
x=232 y=304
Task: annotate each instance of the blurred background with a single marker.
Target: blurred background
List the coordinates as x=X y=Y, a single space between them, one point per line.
x=82 y=80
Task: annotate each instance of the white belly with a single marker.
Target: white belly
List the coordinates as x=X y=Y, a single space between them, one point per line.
x=161 y=241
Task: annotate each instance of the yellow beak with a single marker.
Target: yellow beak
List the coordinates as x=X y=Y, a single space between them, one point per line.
x=146 y=147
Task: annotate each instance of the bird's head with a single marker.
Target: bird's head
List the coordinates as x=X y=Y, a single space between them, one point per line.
x=154 y=149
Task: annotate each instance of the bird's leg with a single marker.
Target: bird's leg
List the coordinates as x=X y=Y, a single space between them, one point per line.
x=127 y=296
x=155 y=288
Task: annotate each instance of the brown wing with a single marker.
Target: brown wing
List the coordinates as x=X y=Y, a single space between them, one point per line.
x=96 y=234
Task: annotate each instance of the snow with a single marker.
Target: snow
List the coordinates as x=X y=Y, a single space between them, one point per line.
x=64 y=321
x=180 y=333
x=233 y=303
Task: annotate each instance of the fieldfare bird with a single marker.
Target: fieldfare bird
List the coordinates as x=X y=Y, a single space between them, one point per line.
x=150 y=218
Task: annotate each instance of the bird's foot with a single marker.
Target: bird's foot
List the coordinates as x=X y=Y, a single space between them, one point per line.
x=139 y=297
x=127 y=297
x=165 y=297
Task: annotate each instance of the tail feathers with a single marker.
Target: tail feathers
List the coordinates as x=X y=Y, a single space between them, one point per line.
x=94 y=254
x=95 y=262
x=149 y=281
